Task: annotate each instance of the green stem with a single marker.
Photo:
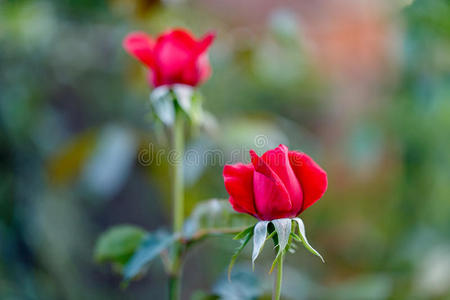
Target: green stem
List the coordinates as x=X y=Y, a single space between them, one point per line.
x=174 y=287
x=178 y=203
x=177 y=184
x=278 y=280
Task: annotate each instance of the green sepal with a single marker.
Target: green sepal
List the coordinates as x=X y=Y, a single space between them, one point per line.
x=304 y=240
x=244 y=233
x=163 y=105
x=165 y=100
x=248 y=235
x=271 y=235
x=308 y=247
x=275 y=261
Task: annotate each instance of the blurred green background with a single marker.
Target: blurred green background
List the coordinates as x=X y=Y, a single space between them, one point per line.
x=361 y=86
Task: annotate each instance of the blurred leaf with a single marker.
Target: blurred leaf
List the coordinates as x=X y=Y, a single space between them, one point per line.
x=118 y=244
x=215 y=216
x=150 y=248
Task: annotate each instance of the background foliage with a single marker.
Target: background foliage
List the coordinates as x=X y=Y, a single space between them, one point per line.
x=362 y=86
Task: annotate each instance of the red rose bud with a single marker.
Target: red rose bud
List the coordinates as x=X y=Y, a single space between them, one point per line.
x=175 y=57
x=279 y=184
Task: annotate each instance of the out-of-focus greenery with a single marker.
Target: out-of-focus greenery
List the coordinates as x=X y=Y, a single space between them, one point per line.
x=361 y=86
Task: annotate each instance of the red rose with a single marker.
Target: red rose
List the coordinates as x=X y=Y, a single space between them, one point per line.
x=175 y=57
x=279 y=184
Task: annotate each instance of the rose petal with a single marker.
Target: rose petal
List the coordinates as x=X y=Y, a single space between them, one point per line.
x=173 y=54
x=198 y=69
x=140 y=45
x=238 y=180
x=312 y=178
x=278 y=161
x=204 y=68
x=205 y=43
x=202 y=62
x=272 y=200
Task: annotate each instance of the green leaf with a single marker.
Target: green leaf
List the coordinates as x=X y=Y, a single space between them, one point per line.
x=118 y=244
x=150 y=248
x=248 y=235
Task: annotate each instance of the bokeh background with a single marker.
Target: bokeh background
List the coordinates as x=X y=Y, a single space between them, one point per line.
x=362 y=86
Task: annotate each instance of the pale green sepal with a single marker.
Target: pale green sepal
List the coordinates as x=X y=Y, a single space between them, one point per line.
x=260 y=233
x=304 y=240
x=283 y=229
x=275 y=261
x=184 y=94
x=162 y=103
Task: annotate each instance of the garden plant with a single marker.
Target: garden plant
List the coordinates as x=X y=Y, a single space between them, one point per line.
x=274 y=188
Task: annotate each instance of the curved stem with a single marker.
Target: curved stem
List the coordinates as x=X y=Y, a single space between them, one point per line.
x=278 y=280
x=178 y=203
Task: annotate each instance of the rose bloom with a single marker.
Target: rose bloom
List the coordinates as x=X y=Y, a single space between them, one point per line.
x=175 y=57
x=279 y=184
